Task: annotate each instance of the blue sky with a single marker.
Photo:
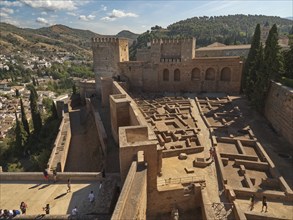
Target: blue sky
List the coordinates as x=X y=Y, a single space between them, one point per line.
x=112 y=16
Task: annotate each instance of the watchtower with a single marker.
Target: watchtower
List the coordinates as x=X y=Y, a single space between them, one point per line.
x=107 y=53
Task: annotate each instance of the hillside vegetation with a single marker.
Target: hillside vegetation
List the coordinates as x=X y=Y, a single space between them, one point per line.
x=56 y=38
x=231 y=29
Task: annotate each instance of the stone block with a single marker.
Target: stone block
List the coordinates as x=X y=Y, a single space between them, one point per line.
x=182 y=156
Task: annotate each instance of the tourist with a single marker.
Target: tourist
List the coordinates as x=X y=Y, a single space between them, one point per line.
x=55 y=175
x=8 y=214
x=23 y=207
x=74 y=211
x=46 y=175
x=47 y=209
x=264 y=203
x=252 y=200
x=15 y=212
x=68 y=185
x=212 y=153
x=91 y=197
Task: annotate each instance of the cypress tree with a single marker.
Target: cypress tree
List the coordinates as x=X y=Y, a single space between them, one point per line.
x=54 y=111
x=36 y=116
x=249 y=68
x=17 y=93
x=260 y=86
x=24 y=119
x=288 y=63
x=272 y=55
x=34 y=81
x=20 y=136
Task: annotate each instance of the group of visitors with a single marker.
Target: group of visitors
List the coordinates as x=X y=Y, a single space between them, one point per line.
x=91 y=198
x=8 y=214
x=46 y=175
x=264 y=203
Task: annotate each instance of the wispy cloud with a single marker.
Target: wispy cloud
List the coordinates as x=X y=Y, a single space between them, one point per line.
x=103 y=8
x=44 y=13
x=118 y=14
x=10 y=4
x=42 y=21
x=86 y=18
x=71 y=13
x=7 y=10
x=3 y=15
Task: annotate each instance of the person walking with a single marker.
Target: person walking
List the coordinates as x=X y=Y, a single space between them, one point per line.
x=46 y=175
x=74 y=211
x=68 y=185
x=23 y=207
x=264 y=203
x=252 y=200
x=91 y=197
x=55 y=175
x=47 y=209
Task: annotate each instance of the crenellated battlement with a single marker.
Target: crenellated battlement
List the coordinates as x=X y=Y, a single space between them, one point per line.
x=169 y=41
x=107 y=39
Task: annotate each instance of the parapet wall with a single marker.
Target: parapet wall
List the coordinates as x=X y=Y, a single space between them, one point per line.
x=38 y=176
x=279 y=110
x=99 y=125
x=124 y=111
x=133 y=197
x=61 y=145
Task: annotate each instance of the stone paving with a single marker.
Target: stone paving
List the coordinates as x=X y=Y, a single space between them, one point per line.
x=37 y=194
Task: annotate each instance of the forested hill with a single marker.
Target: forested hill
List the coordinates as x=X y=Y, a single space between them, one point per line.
x=50 y=40
x=231 y=29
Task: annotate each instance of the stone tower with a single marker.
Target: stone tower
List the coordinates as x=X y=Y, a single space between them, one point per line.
x=175 y=50
x=107 y=53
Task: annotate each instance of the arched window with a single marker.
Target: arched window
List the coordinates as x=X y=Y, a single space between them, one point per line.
x=166 y=75
x=210 y=74
x=177 y=75
x=226 y=74
x=195 y=74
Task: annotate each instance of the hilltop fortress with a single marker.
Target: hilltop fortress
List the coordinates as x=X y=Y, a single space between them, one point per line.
x=165 y=137
x=166 y=113
x=167 y=65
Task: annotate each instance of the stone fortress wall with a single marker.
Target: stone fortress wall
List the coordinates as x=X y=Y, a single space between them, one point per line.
x=61 y=145
x=172 y=65
x=142 y=126
x=107 y=53
x=279 y=110
x=167 y=65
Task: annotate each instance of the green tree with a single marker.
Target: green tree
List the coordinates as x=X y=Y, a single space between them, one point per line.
x=260 y=88
x=54 y=113
x=20 y=136
x=36 y=116
x=272 y=55
x=17 y=93
x=288 y=63
x=34 y=81
x=249 y=72
x=74 y=89
x=24 y=119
